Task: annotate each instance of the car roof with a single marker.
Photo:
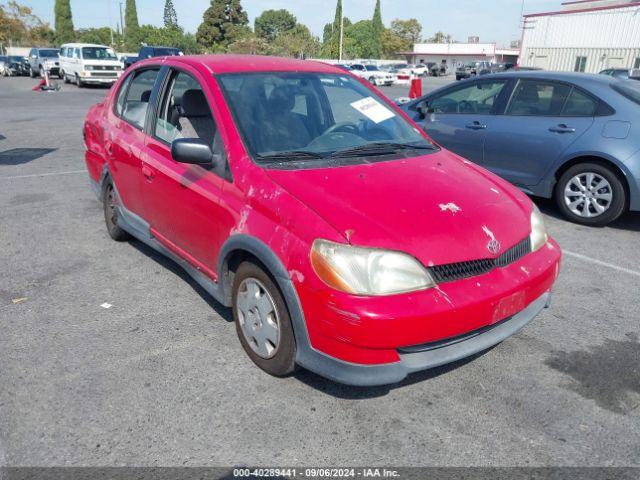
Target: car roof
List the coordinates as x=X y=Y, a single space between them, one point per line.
x=75 y=45
x=572 y=77
x=225 y=63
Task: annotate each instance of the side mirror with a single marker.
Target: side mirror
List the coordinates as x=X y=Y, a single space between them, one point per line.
x=192 y=150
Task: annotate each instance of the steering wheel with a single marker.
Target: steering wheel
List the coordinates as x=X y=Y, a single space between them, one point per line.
x=341 y=125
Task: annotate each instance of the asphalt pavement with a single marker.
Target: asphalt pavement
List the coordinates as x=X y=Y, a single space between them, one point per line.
x=111 y=355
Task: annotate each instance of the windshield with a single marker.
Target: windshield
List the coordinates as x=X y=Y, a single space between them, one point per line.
x=628 y=88
x=310 y=116
x=50 y=53
x=371 y=68
x=98 y=53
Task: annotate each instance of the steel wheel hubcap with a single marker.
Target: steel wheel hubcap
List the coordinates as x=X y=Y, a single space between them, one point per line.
x=258 y=318
x=588 y=195
x=111 y=205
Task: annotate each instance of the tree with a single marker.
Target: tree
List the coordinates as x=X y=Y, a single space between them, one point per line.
x=170 y=15
x=336 y=31
x=359 y=40
x=63 y=22
x=249 y=44
x=20 y=26
x=298 y=42
x=393 y=44
x=131 y=28
x=409 y=30
x=101 y=36
x=441 y=37
x=173 y=37
x=223 y=23
x=272 y=23
x=377 y=28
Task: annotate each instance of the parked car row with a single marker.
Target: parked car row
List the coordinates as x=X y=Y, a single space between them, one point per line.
x=80 y=63
x=573 y=137
x=343 y=238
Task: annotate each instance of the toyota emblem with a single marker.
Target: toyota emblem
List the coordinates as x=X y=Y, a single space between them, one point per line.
x=494 y=246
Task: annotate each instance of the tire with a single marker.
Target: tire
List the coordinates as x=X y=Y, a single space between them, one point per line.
x=61 y=74
x=573 y=193
x=32 y=74
x=79 y=82
x=41 y=72
x=372 y=81
x=109 y=202
x=65 y=77
x=271 y=349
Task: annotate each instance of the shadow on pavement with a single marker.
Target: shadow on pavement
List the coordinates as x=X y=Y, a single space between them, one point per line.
x=20 y=156
x=176 y=269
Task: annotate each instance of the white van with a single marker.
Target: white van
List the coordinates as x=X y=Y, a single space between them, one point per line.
x=84 y=63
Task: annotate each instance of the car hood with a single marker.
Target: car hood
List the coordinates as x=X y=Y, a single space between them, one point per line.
x=435 y=207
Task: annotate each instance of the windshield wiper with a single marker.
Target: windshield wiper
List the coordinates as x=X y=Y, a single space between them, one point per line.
x=293 y=155
x=379 y=148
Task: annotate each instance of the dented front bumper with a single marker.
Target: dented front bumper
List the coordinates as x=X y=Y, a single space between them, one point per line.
x=396 y=335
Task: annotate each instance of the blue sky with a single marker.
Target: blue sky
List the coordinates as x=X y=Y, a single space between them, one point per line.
x=493 y=20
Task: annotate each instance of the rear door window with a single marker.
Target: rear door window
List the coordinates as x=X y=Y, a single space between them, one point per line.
x=136 y=102
x=538 y=98
x=579 y=105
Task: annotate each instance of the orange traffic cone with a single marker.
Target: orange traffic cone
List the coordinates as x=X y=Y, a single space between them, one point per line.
x=416 y=87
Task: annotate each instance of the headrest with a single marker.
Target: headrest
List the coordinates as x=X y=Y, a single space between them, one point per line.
x=281 y=100
x=146 y=95
x=194 y=104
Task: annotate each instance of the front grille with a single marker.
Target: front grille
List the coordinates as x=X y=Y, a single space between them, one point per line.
x=103 y=74
x=460 y=270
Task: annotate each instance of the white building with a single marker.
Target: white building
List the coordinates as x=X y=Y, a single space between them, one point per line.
x=457 y=54
x=584 y=36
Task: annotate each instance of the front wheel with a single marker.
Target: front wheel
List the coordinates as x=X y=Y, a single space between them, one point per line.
x=372 y=81
x=262 y=320
x=79 y=82
x=591 y=194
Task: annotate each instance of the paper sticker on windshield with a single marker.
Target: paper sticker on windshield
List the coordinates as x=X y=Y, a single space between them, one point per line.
x=373 y=110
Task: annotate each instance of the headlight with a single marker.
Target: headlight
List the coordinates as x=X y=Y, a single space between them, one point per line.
x=367 y=271
x=538 y=230
x=88 y=68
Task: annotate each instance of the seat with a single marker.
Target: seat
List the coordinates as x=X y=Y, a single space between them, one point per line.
x=195 y=117
x=526 y=101
x=282 y=129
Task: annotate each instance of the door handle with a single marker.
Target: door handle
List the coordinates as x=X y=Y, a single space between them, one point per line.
x=476 y=126
x=562 y=128
x=148 y=172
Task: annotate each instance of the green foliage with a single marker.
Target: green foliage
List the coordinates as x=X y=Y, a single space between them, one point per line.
x=63 y=22
x=392 y=44
x=359 y=41
x=168 y=37
x=170 y=15
x=409 y=30
x=249 y=44
x=223 y=23
x=298 y=42
x=334 y=51
x=272 y=23
x=131 y=28
x=441 y=37
x=100 y=35
x=19 y=24
x=377 y=28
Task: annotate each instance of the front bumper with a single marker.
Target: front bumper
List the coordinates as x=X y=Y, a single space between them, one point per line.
x=378 y=334
x=427 y=356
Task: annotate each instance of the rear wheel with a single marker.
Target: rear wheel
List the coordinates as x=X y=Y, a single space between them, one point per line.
x=262 y=320
x=591 y=194
x=110 y=202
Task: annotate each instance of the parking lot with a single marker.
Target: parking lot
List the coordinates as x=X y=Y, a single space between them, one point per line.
x=111 y=355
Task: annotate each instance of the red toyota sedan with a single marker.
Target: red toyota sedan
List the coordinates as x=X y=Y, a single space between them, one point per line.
x=344 y=239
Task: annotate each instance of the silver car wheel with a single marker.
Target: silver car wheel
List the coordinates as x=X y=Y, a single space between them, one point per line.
x=588 y=195
x=258 y=317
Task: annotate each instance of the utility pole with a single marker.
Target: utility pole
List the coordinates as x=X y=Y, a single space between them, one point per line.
x=341 y=30
x=121 y=19
x=110 y=21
